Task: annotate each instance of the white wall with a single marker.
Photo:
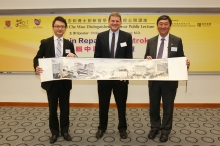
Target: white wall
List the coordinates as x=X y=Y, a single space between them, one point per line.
x=25 y=87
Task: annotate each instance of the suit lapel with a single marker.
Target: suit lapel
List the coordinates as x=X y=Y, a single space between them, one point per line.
x=106 y=40
x=52 y=47
x=154 y=51
x=64 y=46
x=120 y=39
x=170 y=44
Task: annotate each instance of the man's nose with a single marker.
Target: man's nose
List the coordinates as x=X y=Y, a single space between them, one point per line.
x=163 y=25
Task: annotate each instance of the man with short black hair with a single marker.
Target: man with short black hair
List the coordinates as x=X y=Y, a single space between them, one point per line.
x=58 y=91
x=164 y=45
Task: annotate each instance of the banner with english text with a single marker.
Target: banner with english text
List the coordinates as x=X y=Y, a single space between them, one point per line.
x=21 y=35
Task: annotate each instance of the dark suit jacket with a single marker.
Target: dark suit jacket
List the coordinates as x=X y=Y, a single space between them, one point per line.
x=47 y=50
x=174 y=41
x=102 y=49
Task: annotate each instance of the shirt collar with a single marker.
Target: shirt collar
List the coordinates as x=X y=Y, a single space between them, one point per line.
x=166 y=38
x=116 y=32
x=55 y=38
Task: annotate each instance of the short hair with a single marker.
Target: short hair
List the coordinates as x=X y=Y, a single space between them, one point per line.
x=115 y=14
x=61 y=19
x=164 y=17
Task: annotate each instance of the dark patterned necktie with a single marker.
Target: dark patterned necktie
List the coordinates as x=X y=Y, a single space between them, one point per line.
x=160 y=53
x=113 y=45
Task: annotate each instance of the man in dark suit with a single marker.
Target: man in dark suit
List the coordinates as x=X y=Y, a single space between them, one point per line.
x=172 y=47
x=113 y=43
x=57 y=91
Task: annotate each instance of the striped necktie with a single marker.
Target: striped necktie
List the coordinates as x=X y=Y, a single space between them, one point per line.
x=58 y=48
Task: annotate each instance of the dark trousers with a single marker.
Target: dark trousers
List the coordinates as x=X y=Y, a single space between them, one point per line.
x=120 y=91
x=157 y=90
x=58 y=94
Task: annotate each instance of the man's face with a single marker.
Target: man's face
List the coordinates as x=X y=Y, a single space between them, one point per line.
x=163 y=27
x=114 y=23
x=59 y=28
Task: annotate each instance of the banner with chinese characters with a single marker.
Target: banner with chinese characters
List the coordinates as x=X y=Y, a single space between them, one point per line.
x=113 y=69
x=21 y=35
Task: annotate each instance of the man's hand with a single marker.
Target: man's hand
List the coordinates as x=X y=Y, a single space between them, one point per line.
x=187 y=62
x=71 y=55
x=39 y=70
x=148 y=57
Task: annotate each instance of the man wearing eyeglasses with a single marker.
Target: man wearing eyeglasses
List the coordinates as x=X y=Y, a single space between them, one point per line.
x=58 y=91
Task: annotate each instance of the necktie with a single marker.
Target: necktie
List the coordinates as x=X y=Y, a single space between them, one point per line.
x=160 y=53
x=113 y=45
x=58 y=49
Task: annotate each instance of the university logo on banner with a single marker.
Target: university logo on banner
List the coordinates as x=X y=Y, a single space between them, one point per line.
x=21 y=23
x=37 y=22
x=7 y=24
